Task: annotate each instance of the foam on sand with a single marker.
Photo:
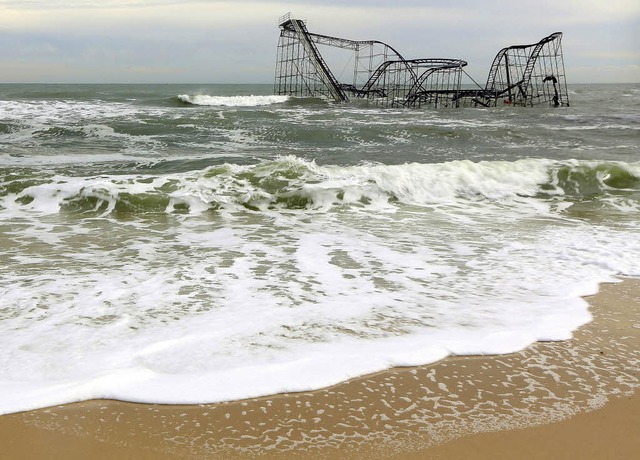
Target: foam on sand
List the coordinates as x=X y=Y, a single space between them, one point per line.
x=399 y=411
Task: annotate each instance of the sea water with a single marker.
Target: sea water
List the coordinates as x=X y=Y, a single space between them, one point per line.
x=202 y=243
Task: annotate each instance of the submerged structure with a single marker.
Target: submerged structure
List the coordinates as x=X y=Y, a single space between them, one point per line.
x=522 y=75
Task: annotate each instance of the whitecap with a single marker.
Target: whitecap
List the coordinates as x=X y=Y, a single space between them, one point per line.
x=232 y=101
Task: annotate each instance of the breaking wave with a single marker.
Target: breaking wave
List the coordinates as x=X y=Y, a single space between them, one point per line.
x=293 y=183
x=231 y=101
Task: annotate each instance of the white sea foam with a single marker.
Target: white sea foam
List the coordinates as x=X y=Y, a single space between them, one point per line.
x=232 y=101
x=385 y=266
x=61 y=111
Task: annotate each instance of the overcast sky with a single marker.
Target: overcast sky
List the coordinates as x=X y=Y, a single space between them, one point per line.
x=188 y=41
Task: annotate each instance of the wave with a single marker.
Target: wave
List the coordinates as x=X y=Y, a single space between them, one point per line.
x=290 y=183
x=232 y=101
x=463 y=267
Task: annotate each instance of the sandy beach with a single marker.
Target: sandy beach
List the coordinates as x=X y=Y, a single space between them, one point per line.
x=571 y=399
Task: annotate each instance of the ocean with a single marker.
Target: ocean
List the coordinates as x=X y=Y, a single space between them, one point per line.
x=205 y=243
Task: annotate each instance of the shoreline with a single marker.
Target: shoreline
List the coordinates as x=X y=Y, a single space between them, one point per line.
x=476 y=405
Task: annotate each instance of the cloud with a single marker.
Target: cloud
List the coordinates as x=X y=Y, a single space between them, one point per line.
x=216 y=41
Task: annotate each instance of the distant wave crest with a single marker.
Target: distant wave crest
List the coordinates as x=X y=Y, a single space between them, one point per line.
x=232 y=101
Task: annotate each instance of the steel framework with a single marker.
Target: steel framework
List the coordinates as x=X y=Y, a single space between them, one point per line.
x=530 y=75
x=523 y=75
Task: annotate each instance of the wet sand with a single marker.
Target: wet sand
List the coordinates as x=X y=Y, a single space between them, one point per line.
x=571 y=399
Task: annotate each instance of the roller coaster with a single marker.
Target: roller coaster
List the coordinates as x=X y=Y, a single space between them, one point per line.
x=520 y=75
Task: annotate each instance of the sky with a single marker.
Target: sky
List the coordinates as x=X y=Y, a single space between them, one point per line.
x=191 y=41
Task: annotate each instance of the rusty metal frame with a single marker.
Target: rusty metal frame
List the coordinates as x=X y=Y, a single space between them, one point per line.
x=520 y=75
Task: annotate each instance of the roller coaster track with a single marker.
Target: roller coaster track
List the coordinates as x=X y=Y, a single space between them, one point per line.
x=526 y=77
x=317 y=61
x=434 y=65
x=520 y=74
x=523 y=83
